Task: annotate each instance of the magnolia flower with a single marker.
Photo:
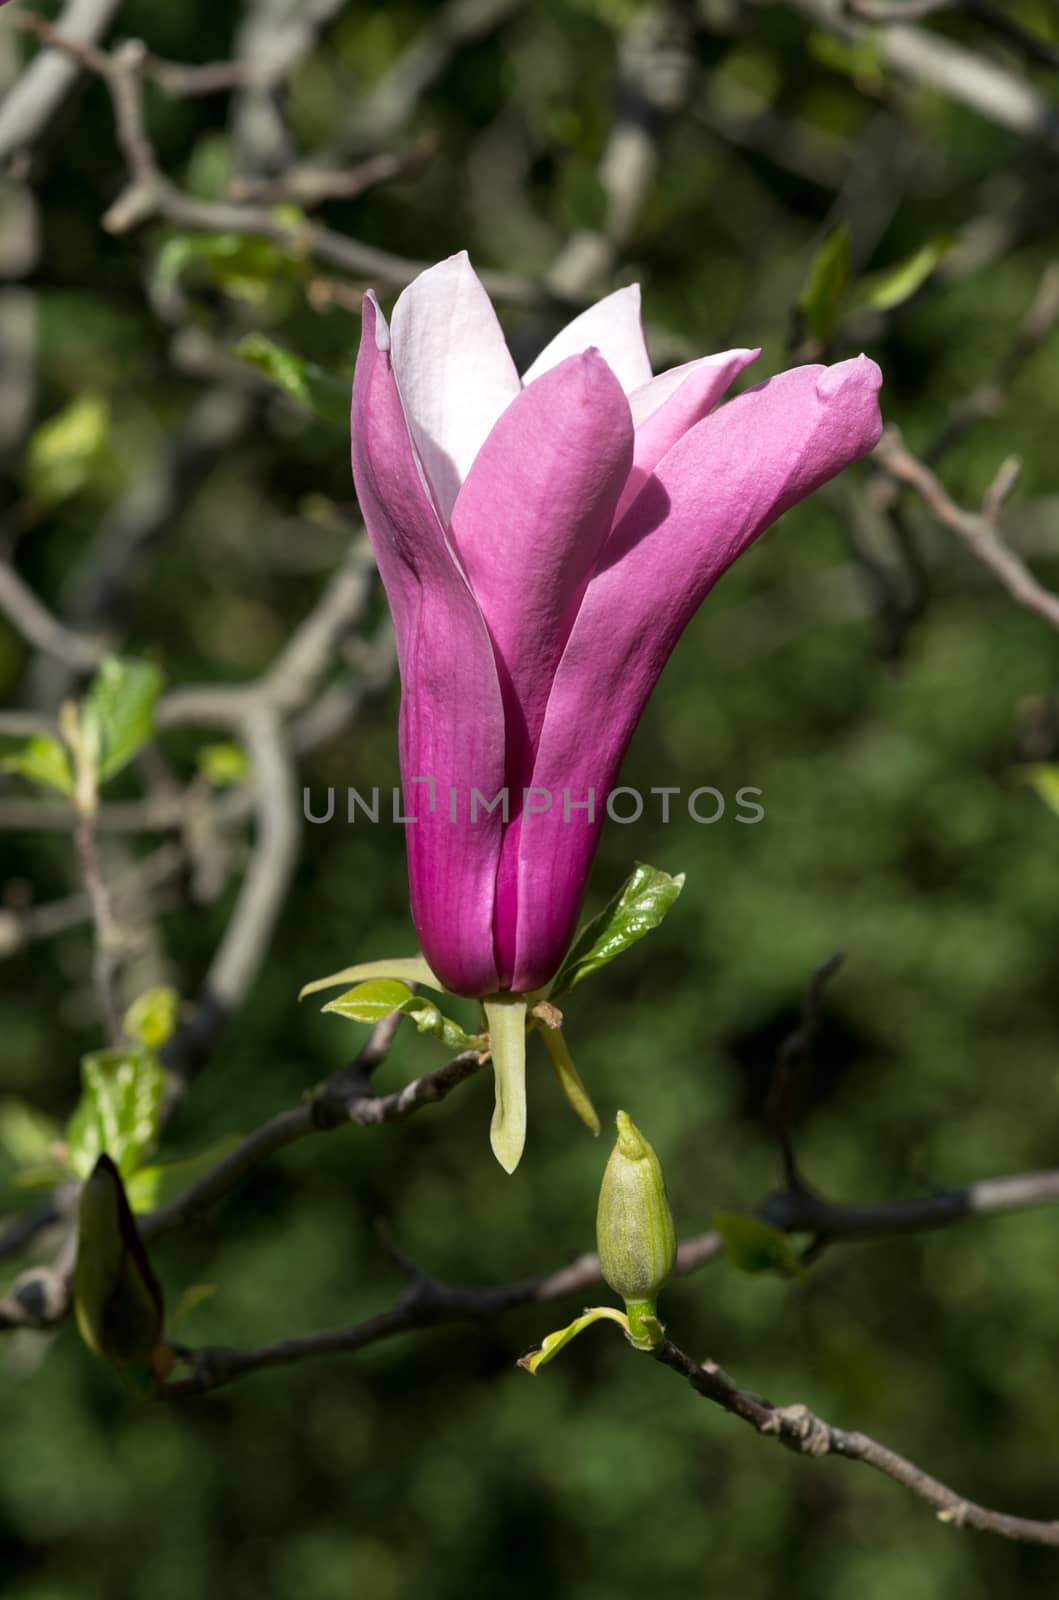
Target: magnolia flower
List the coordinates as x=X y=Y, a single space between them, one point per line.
x=543 y=542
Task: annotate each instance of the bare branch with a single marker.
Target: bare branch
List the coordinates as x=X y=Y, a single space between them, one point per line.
x=33 y=100
x=807 y=1434
x=38 y=627
x=978 y=530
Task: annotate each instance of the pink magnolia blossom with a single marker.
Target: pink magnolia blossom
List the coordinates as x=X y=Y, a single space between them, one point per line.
x=543 y=542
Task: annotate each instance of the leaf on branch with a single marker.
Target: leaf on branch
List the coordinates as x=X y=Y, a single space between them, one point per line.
x=151 y=1018
x=820 y=302
x=408 y=969
x=119 y=1110
x=756 y=1246
x=28 y=1138
x=371 y=1002
x=66 y=451
x=892 y=286
x=117 y=717
x=326 y=396
x=533 y=1360
x=640 y=905
x=149 y=1188
x=43 y=760
x=243 y=267
x=223 y=764
x=1043 y=778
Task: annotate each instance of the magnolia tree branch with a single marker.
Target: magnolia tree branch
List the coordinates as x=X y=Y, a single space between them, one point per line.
x=802 y=1431
x=979 y=530
x=150 y=193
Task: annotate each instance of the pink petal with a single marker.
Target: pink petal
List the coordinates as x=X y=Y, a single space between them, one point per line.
x=613 y=327
x=453 y=369
x=529 y=525
x=724 y=483
x=664 y=409
x=452 y=719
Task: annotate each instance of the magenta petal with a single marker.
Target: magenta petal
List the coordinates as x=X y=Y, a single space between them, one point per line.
x=720 y=486
x=452 y=720
x=664 y=409
x=529 y=526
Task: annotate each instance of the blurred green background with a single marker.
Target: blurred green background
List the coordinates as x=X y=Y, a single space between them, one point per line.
x=898 y=828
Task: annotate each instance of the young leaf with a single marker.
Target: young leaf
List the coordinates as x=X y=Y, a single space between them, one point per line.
x=326 y=396
x=570 y=1082
x=118 y=1113
x=892 y=286
x=27 y=1137
x=1044 y=780
x=370 y=1002
x=148 y=1188
x=533 y=1360
x=821 y=300
x=223 y=764
x=41 y=760
x=152 y=1017
x=118 y=714
x=756 y=1246
x=639 y=906
x=428 y=1019
x=409 y=969
x=66 y=449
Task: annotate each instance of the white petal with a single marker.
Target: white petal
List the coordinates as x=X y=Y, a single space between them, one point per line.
x=647 y=399
x=613 y=327
x=453 y=369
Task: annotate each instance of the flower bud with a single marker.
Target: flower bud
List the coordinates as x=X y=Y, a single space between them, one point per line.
x=635 y=1235
x=117 y=1298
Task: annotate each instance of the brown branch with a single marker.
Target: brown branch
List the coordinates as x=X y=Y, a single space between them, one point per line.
x=978 y=530
x=807 y=1434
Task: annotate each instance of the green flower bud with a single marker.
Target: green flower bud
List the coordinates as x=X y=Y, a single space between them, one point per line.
x=635 y=1234
x=117 y=1298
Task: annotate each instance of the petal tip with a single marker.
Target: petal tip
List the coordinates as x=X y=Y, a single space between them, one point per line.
x=860 y=370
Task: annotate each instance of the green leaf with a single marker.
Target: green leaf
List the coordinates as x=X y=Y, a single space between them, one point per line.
x=892 y=286
x=27 y=1137
x=194 y=1296
x=118 y=1113
x=756 y=1246
x=241 y=266
x=1043 y=778
x=66 y=450
x=820 y=301
x=639 y=906
x=149 y=1188
x=223 y=764
x=326 y=396
x=41 y=759
x=428 y=1019
x=554 y=1342
x=152 y=1017
x=370 y=1002
x=118 y=713
x=409 y=969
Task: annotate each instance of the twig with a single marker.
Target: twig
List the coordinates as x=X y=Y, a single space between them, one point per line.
x=346 y=1098
x=991 y=16
x=978 y=530
x=31 y=103
x=38 y=627
x=807 y=1434
x=794 y=1052
x=939 y=63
